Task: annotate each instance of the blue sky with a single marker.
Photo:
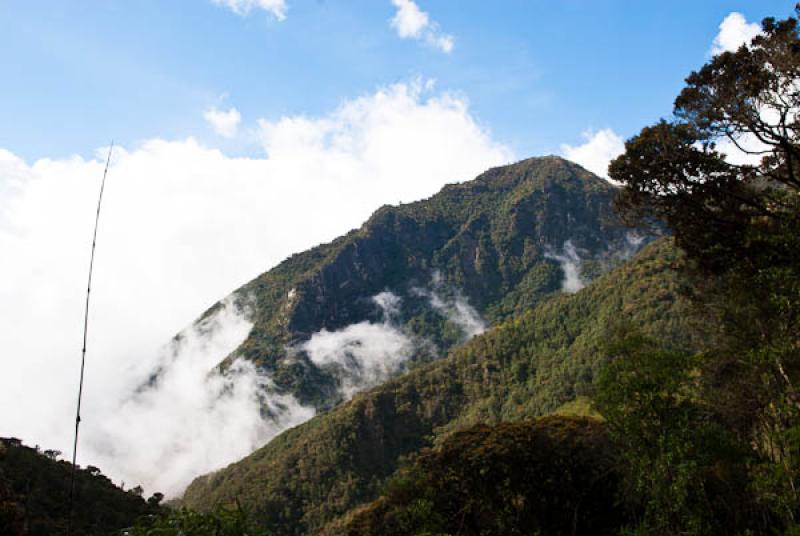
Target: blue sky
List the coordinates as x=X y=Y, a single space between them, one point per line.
x=535 y=73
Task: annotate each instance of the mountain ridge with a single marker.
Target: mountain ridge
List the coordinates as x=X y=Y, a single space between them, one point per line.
x=494 y=239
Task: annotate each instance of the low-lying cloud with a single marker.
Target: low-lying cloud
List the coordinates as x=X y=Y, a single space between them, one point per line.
x=570 y=263
x=633 y=243
x=454 y=306
x=365 y=354
x=190 y=418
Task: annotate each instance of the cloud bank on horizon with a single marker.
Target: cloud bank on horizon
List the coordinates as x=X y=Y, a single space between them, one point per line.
x=182 y=225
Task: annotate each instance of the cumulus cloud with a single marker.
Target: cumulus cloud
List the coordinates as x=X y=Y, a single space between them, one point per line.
x=570 y=263
x=277 y=8
x=377 y=139
x=224 y=123
x=410 y=22
x=365 y=354
x=600 y=148
x=734 y=31
x=454 y=307
x=182 y=225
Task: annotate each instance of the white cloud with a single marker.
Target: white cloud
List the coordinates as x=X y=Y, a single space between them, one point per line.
x=571 y=266
x=182 y=225
x=454 y=307
x=443 y=42
x=277 y=8
x=364 y=354
x=410 y=22
x=224 y=123
x=734 y=31
x=600 y=148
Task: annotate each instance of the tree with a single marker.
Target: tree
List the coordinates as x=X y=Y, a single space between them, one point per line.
x=729 y=160
x=223 y=521
x=669 y=442
x=94 y=471
x=155 y=499
x=554 y=475
x=724 y=174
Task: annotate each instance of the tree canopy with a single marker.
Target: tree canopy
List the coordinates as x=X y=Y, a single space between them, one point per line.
x=729 y=159
x=724 y=174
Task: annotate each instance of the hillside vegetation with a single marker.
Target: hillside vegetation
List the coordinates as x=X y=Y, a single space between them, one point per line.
x=554 y=475
x=35 y=489
x=489 y=241
x=526 y=367
x=690 y=360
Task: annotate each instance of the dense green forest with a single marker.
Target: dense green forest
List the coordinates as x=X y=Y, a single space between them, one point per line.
x=707 y=442
x=35 y=490
x=526 y=367
x=549 y=476
x=487 y=241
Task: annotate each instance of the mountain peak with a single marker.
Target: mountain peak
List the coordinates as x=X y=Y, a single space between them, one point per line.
x=491 y=241
x=546 y=171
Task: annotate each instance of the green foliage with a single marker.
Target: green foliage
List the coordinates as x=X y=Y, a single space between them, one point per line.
x=526 y=367
x=34 y=496
x=677 y=170
x=551 y=476
x=669 y=442
x=739 y=225
x=486 y=238
x=220 y=522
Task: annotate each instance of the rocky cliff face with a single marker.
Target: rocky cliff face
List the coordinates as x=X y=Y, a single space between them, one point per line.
x=471 y=255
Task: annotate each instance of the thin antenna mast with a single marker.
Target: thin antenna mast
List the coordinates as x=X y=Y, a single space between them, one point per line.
x=83 y=350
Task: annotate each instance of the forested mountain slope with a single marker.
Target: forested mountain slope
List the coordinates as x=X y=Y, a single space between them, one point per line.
x=527 y=366
x=473 y=254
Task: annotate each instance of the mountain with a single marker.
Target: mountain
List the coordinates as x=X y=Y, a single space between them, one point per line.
x=418 y=279
x=528 y=365
x=35 y=489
